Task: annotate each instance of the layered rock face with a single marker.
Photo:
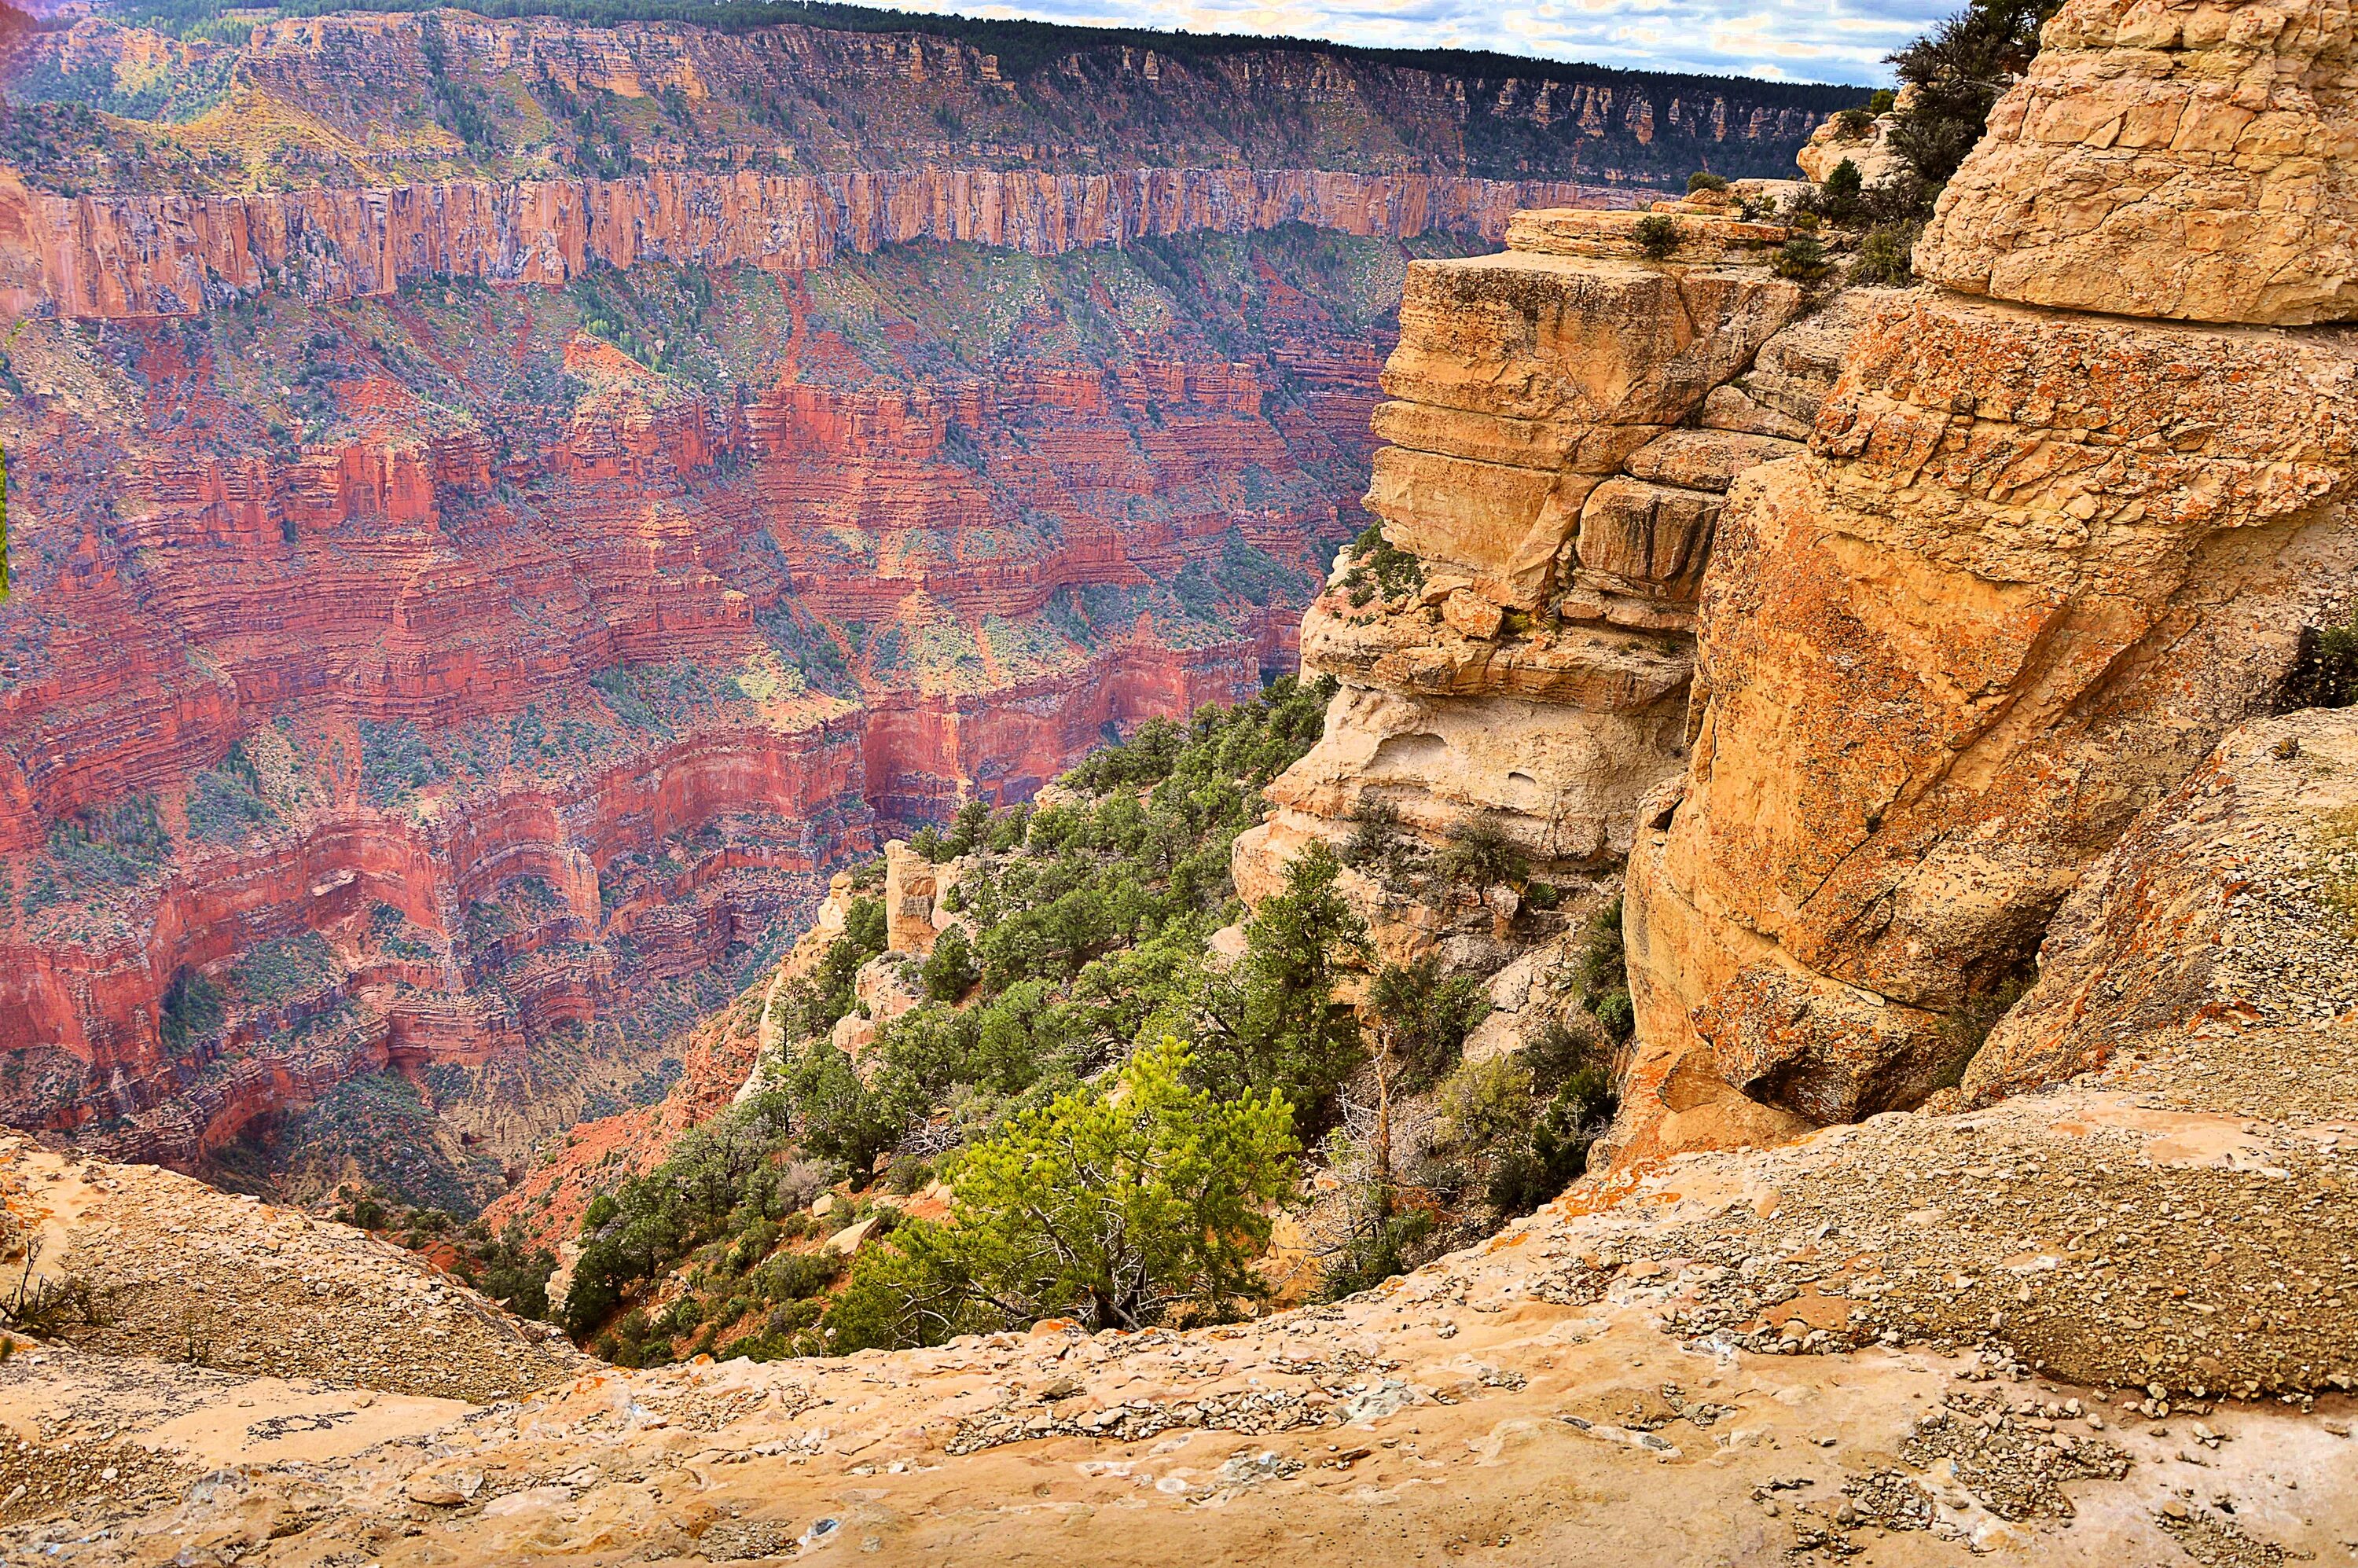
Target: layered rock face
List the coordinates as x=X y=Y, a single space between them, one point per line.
x=2178 y=160
x=406 y=672
x=370 y=150
x=437 y=683
x=396 y=97
x=1565 y=419
x=2034 y=564
x=114 y=256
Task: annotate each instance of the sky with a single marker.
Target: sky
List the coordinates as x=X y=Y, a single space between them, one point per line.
x=1832 y=40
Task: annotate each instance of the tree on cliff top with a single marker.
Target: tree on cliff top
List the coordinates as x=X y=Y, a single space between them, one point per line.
x=1958 y=70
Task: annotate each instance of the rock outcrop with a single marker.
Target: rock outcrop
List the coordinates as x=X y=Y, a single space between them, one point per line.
x=2176 y=159
x=1566 y=418
x=910 y=883
x=2225 y=908
x=2033 y=565
x=1866 y=146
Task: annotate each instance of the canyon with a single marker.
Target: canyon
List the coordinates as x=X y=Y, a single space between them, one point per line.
x=1952 y=683
x=502 y=507
x=542 y=714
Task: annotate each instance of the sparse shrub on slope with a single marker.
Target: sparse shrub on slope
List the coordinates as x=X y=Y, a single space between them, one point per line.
x=1082 y=940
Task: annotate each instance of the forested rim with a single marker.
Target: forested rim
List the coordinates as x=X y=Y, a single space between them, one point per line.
x=1023 y=47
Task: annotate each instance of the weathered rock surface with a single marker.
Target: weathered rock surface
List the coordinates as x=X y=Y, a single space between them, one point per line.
x=1525 y=380
x=2034 y=566
x=2039 y=1333
x=1562 y=446
x=2226 y=906
x=107 y=257
x=2174 y=159
x=1869 y=151
x=910 y=883
x=174 y=1270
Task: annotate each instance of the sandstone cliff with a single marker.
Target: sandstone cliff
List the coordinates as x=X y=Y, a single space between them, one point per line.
x=1946 y=657
x=1566 y=418
x=1896 y=608
x=2033 y=565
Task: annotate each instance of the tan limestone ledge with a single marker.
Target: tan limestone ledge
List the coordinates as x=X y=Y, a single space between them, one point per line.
x=1707 y=235
x=1523 y=380
x=1414 y=651
x=1562 y=783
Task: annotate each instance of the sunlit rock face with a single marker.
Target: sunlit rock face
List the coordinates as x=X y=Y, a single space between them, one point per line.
x=2036 y=562
x=2185 y=160
x=1565 y=420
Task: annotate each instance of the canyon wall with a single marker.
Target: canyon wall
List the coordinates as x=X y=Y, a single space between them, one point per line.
x=1564 y=421
x=96 y=1047
x=126 y=254
x=392 y=98
x=1859 y=623
x=431 y=681
x=500 y=507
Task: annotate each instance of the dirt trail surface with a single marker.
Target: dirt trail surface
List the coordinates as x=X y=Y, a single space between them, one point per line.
x=1923 y=1339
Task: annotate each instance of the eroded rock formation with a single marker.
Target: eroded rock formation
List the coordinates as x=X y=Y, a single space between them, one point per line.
x=2033 y=565
x=2179 y=159
x=436 y=683
x=406 y=671
x=111 y=257
x=1565 y=420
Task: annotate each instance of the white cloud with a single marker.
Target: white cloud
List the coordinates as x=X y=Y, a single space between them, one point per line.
x=1838 y=40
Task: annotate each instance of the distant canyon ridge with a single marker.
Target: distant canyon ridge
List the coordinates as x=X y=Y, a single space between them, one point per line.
x=501 y=508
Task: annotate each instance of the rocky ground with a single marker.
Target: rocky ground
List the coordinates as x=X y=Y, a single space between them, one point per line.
x=152 y=1266
x=2110 y=1323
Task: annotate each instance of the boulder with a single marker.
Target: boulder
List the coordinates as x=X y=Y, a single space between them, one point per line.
x=2181 y=158
x=1871 y=153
